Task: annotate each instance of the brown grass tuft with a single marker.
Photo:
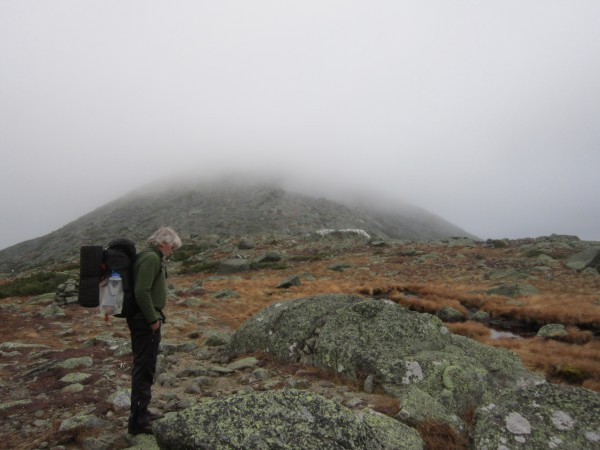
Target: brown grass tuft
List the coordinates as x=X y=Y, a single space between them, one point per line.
x=441 y=436
x=386 y=405
x=560 y=362
x=474 y=330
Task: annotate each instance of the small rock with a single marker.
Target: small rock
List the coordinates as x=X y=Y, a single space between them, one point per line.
x=75 y=363
x=52 y=311
x=293 y=280
x=121 y=399
x=73 y=388
x=193 y=389
x=8 y=405
x=165 y=379
x=480 y=316
x=226 y=293
x=82 y=421
x=244 y=363
x=270 y=257
x=340 y=267
x=353 y=402
x=449 y=314
x=369 y=384
x=75 y=377
x=217 y=338
x=295 y=383
x=552 y=330
x=513 y=290
x=261 y=374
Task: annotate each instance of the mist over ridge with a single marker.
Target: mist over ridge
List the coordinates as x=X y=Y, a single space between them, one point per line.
x=232 y=206
x=485 y=114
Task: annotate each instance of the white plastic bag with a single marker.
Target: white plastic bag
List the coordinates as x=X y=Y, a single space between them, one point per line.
x=111 y=295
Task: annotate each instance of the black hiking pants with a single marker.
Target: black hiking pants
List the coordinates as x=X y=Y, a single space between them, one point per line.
x=144 y=345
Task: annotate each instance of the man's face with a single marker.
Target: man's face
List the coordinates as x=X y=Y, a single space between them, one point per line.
x=166 y=250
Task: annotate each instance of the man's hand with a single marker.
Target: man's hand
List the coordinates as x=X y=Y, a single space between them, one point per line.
x=155 y=326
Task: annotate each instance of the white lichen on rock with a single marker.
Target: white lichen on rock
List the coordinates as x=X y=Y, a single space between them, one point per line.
x=293 y=349
x=517 y=424
x=413 y=372
x=593 y=436
x=555 y=442
x=562 y=421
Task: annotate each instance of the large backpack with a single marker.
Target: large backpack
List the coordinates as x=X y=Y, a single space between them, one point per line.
x=98 y=264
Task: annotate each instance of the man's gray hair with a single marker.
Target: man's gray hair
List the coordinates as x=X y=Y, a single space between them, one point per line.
x=165 y=235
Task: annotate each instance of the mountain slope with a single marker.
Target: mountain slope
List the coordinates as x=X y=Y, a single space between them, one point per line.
x=226 y=209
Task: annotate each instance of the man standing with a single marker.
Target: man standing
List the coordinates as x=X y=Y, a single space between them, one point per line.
x=145 y=325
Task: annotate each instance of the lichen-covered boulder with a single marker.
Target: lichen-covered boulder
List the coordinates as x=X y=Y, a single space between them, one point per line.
x=398 y=348
x=552 y=330
x=590 y=257
x=284 y=419
x=275 y=329
x=542 y=416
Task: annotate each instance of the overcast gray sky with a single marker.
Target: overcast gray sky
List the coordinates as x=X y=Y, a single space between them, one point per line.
x=485 y=113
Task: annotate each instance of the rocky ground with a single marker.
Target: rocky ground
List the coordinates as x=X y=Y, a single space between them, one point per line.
x=65 y=371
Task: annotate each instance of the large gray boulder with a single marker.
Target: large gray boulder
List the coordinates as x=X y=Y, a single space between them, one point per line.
x=412 y=355
x=282 y=419
x=590 y=257
x=542 y=416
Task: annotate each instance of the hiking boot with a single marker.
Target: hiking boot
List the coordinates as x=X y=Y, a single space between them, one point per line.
x=140 y=429
x=151 y=417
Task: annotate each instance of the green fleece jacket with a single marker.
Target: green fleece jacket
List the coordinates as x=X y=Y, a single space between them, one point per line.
x=150 y=284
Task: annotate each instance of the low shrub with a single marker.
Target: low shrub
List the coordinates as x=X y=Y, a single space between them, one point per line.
x=308 y=258
x=438 y=435
x=197 y=267
x=570 y=374
x=35 y=284
x=499 y=243
x=533 y=253
x=276 y=265
x=187 y=251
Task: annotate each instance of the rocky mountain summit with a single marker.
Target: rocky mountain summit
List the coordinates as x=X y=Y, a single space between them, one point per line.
x=332 y=340
x=226 y=209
